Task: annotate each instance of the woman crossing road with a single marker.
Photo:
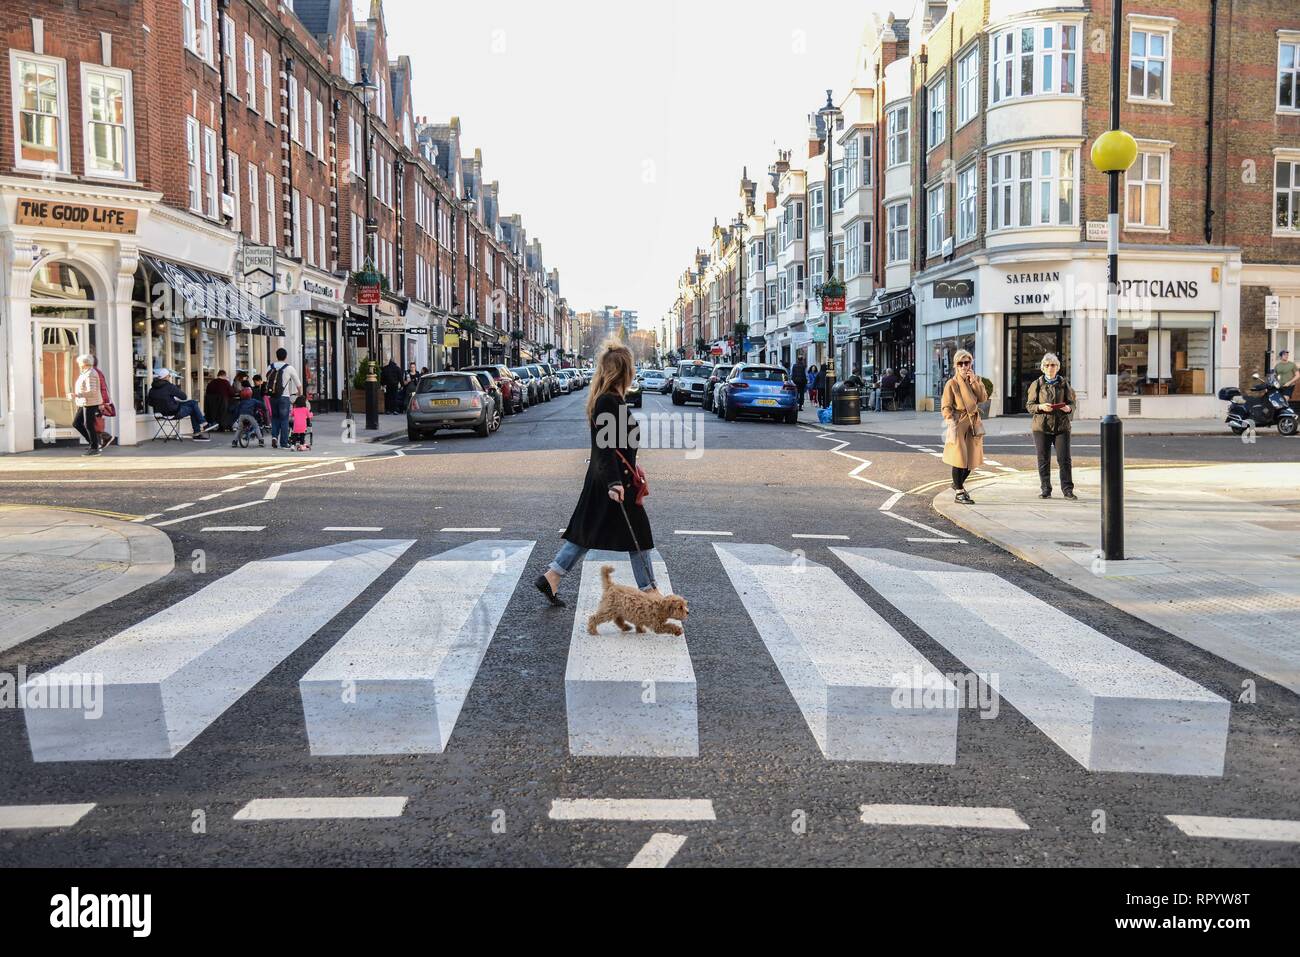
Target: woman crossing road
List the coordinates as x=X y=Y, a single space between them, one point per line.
x=607 y=517
x=963 y=446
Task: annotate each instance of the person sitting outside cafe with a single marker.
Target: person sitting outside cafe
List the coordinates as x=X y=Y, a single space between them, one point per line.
x=167 y=399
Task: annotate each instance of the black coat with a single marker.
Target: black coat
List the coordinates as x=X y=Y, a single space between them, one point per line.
x=597 y=522
x=165 y=397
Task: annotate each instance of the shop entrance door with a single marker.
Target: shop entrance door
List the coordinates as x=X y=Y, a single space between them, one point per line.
x=1026 y=346
x=57 y=346
x=318 y=363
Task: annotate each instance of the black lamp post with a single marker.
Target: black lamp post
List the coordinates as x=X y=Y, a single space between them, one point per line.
x=737 y=346
x=368 y=89
x=1114 y=153
x=829 y=115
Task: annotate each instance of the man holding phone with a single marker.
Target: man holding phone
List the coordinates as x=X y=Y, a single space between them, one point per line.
x=1052 y=402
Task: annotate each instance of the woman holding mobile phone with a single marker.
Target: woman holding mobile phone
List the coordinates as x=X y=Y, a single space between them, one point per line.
x=1052 y=402
x=963 y=446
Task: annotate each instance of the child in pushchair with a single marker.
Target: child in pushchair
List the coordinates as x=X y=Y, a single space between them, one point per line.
x=250 y=418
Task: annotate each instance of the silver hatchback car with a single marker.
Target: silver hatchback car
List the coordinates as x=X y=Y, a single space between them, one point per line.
x=450 y=400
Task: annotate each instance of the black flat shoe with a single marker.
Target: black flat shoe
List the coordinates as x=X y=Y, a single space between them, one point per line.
x=1047 y=495
x=964 y=499
x=544 y=587
x=1071 y=496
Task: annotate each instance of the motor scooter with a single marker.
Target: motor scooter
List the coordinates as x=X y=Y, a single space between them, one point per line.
x=1264 y=408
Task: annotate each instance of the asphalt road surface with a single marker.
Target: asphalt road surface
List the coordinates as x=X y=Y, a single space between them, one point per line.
x=770 y=784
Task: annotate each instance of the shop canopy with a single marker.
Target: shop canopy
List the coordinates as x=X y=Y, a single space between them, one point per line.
x=201 y=296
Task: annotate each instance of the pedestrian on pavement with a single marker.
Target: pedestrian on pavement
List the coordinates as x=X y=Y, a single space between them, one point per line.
x=608 y=516
x=800 y=378
x=217 y=400
x=106 y=409
x=963 y=446
x=391 y=379
x=283 y=385
x=1288 y=375
x=87 y=397
x=168 y=399
x=1052 y=402
x=814 y=382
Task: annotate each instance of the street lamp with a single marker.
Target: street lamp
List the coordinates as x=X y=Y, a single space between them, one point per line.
x=368 y=89
x=1114 y=153
x=829 y=115
x=741 y=228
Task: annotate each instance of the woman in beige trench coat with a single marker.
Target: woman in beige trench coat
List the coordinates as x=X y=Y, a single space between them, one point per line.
x=964 y=436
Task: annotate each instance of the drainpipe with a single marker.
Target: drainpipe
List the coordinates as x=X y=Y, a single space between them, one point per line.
x=1209 y=126
x=920 y=124
x=221 y=74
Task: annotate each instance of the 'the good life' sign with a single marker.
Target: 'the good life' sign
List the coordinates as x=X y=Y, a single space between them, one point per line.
x=99 y=219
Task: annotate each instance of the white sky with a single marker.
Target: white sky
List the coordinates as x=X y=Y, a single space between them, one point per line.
x=618 y=128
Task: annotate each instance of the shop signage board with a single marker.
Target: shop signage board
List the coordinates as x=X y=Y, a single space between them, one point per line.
x=58 y=215
x=369 y=296
x=1098 y=232
x=833 y=304
x=451 y=340
x=1273 y=313
x=821 y=333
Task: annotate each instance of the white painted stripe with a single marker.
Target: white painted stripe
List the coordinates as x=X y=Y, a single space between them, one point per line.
x=42 y=816
x=219 y=511
x=991 y=462
x=168 y=678
x=145 y=518
x=209 y=498
x=471 y=531
x=273 y=492
x=917 y=815
x=842 y=662
x=608 y=675
x=891 y=502
x=611 y=809
x=354 y=529
x=1107 y=706
x=349 y=466
x=407 y=685
x=914 y=524
x=936 y=541
x=322 y=809
x=697 y=534
x=658 y=852
x=237 y=529
x=1237 y=828
x=823 y=538
x=1005 y=469
x=179 y=508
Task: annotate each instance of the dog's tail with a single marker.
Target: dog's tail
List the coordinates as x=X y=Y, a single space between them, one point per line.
x=607 y=575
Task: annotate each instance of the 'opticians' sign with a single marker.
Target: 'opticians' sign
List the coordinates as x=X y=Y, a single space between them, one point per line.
x=99 y=219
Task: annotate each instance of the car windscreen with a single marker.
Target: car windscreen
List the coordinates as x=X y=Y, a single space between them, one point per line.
x=494 y=372
x=723 y=371
x=696 y=372
x=522 y=373
x=446 y=383
x=485 y=378
x=761 y=375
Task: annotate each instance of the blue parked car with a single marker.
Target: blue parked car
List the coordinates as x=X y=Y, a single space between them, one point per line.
x=760 y=390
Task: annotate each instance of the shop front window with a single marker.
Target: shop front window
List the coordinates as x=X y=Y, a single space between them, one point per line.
x=945 y=341
x=1166 y=353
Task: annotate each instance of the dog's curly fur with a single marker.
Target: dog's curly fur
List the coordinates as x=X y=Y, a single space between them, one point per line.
x=628 y=608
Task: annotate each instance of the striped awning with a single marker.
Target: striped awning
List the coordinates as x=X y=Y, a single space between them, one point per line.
x=204 y=297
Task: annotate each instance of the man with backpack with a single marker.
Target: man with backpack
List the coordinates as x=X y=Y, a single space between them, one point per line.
x=283 y=385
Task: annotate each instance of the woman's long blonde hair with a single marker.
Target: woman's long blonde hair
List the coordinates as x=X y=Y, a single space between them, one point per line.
x=615 y=370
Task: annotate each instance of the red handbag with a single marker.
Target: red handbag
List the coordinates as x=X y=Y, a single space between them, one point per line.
x=640 y=484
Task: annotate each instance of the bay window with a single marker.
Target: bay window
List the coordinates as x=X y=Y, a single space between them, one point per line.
x=898 y=218
x=1032 y=188
x=1034 y=60
x=40 y=108
x=816 y=214
x=106 y=107
x=852 y=171
x=838 y=187
x=897 y=127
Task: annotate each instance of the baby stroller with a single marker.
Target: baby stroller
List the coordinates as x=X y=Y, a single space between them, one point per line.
x=246 y=435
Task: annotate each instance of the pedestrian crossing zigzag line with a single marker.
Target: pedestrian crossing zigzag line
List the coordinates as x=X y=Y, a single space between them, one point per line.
x=165 y=680
x=381 y=690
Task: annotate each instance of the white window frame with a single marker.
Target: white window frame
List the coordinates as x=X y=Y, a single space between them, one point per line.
x=271 y=238
x=899 y=225
x=250 y=73
x=308 y=137
x=194 y=164
x=1046 y=61
x=229 y=66
x=899 y=142
x=852 y=166
x=1138 y=177
x=866 y=158
x=1291 y=160
x=322 y=257
x=1008 y=183
x=128 y=122
x=254 y=204
x=268 y=97
x=61 y=69
x=967 y=203
x=320 y=130
x=937 y=116
x=210 y=178
x=293 y=109
x=309 y=247
x=936 y=219
x=968 y=86
x=295 y=247
x=1291 y=40
x=816 y=215
x=1165 y=59
x=196 y=28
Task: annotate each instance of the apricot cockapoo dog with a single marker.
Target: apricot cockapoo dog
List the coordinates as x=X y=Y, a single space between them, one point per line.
x=628 y=607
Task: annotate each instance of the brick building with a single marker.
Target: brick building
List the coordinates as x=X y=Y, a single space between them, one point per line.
x=191 y=185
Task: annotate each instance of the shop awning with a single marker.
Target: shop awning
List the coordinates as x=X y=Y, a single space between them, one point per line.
x=201 y=296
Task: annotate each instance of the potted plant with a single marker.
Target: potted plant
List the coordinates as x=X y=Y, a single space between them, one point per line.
x=987 y=405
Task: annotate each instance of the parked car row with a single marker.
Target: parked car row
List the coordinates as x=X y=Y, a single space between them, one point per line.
x=478 y=398
x=730 y=391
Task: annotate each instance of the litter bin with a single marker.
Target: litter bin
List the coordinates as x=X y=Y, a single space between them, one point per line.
x=846 y=402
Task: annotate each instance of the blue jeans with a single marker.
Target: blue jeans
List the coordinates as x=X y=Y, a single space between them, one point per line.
x=190 y=407
x=281 y=409
x=570 y=554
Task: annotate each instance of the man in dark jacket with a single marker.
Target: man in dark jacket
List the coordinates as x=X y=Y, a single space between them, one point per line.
x=800 y=379
x=166 y=398
x=391 y=379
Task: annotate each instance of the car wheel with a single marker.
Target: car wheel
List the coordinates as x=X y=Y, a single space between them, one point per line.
x=678 y=400
x=792 y=418
x=413 y=435
x=728 y=412
x=484 y=428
